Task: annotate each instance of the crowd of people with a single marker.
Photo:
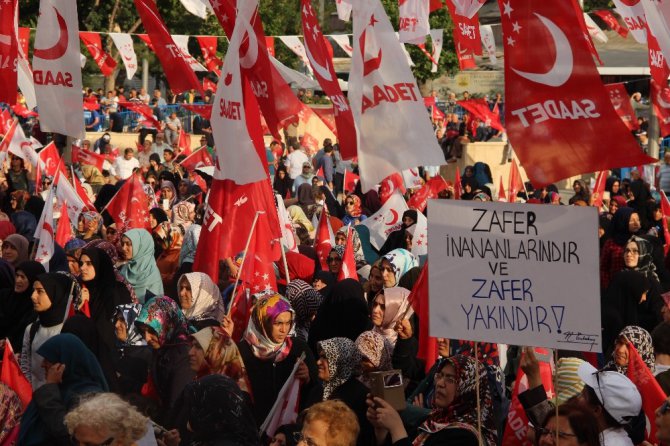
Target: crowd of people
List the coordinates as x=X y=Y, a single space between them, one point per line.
x=121 y=340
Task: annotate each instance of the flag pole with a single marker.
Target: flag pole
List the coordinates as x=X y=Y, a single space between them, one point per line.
x=244 y=258
x=283 y=256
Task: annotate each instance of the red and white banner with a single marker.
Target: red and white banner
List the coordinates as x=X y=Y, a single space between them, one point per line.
x=515 y=183
x=612 y=22
x=350 y=180
x=182 y=43
x=658 y=20
x=466 y=37
x=50 y=159
x=270 y=43
x=64 y=230
x=196 y=7
x=343 y=41
x=321 y=63
x=129 y=207
x=124 y=44
x=479 y=109
x=389 y=185
x=56 y=69
x=6 y=121
x=658 y=63
x=208 y=49
x=13 y=377
x=67 y=195
x=633 y=14
x=395 y=132
x=199 y=158
x=348 y=270
x=489 y=42
x=45 y=232
x=285 y=409
x=324 y=240
x=204 y=110
x=621 y=102
x=388 y=218
x=413 y=20
x=553 y=95
x=419 y=200
x=19 y=145
x=24 y=41
x=83 y=156
x=594 y=30
x=411 y=178
x=420 y=235
x=660 y=99
x=599 y=189
x=437 y=40
x=24 y=72
x=295 y=45
x=175 y=64
x=467 y=8
x=144 y=110
x=650 y=390
x=9 y=51
x=501 y=191
x=93 y=44
x=289 y=239
x=343 y=9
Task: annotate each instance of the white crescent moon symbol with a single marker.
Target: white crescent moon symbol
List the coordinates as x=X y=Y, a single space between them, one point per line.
x=661 y=101
x=134 y=199
x=249 y=59
x=395 y=217
x=95 y=53
x=562 y=69
x=322 y=71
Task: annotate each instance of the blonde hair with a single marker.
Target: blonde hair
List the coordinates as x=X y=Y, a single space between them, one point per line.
x=108 y=412
x=342 y=423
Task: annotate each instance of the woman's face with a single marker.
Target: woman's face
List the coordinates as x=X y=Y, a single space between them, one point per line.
x=467 y=188
x=110 y=234
x=152 y=221
x=196 y=356
x=80 y=224
x=318 y=284
x=408 y=241
x=560 y=426
x=183 y=188
x=282 y=174
x=388 y=274
x=621 y=352
x=631 y=255
x=576 y=187
x=21 y=282
x=9 y=252
x=127 y=248
x=334 y=262
x=322 y=366
x=634 y=223
x=185 y=295
x=166 y=193
x=445 y=386
x=278 y=440
x=150 y=337
x=376 y=280
x=87 y=268
x=615 y=187
x=614 y=205
x=443 y=347
x=377 y=313
x=281 y=327
x=340 y=239
x=41 y=301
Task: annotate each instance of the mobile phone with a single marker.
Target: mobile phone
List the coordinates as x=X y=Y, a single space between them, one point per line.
x=166 y=204
x=389 y=386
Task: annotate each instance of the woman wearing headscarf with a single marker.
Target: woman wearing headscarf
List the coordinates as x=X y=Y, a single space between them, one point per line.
x=334 y=259
x=389 y=307
x=305 y=301
x=282 y=183
x=183 y=214
x=581 y=192
x=269 y=353
x=353 y=211
x=15 y=249
x=626 y=223
x=141 y=270
x=638 y=257
x=200 y=300
x=170 y=238
x=470 y=187
x=16 y=306
x=395 y=264
x=219 y=414
x=461 y=405
x=305 y=199
x=641 y=340
x=169 y=193
x=25 y=224
x=73 y=371
x=157 y=217
x=51 y=293
x=337 y=363
x=341 y=239
x=374 y=284
x=375 y=351
x=396 y=239
x=342 y=314
x=165 y=330
x=323 y=282
x=298 y=217
x=613 y=186
x=90 y=223
x=620 y=302
x=132 y=354
x=113 y=253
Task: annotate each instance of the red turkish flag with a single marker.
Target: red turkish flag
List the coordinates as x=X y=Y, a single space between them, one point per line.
x=458 y=187
x=610 y=19
x=11 y=375
x=199 y=158
x=350 y=180
x=81 y=193
x=621 y=103
x=665 y=208
x=501 y=191
x=466 y=37
x=515 y=184
x=324 y=70
x=147 y=40
x=5 y=121
x=270 y=43
x=207 y=84
x=204 y=110
x=51 y=158
x=277 y=101
x=419 y=200
x=327 y=116
x=323 y=242
x=554 y=92
x=93 y=44
x=9 y=51
x=258 y=271
x=129 y=207
x=143 y=109
x=599 y=189
x=479 y=109
x=420 y=303
x=348 y=270
x=184 y=143
x=585 y=31
x=435 y=5
x=22 y=111
x=658 y=64
x=24 y=40
x=389 y=185
x=64 y=227
x=650 y=391
x=208 y=49
x=660 y=98
x=199 y=181
x=177 y=69
x=83 y=156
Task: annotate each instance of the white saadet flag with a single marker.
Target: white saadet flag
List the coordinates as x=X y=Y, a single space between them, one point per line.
x=419 y=231
x=45 y=232
x=56 y=69
x=233 y=142
x=124 y=43
x=21 y=146
x=412 y=178
x=288 y=237
x=413 y=20
x=633 y=14
x=387 y=219
x=488 y=42
x=410 y=62
x=285 y=409
x=343 y=41
x=343 y=9
x=196 y=7
x=24 y=72
x=437 y=39
x=295 y=45
x=658 y=20
x=182 y=42
x=594 y=30
x=65 y=193
x=393 y=125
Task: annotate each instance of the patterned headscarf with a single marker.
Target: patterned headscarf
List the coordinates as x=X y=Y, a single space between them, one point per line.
x=90 y=216
x=169 y=185
x=164 y=317
x=181 y=213
x=645 y=263
x=259 y=329
x=402 y=261
x=305 y=300
x=377 y=349
x=462 y=412
x=359 y=256
x=343 y=358
x=355 y=210
x=151 y=196
x=206 y=300
x=339 y=250
x=641 y=340
x=222 y=356
x=128 y=313
x=396 y=307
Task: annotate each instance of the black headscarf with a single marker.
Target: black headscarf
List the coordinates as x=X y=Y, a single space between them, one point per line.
x=329 y=279
x=619 y=228
x=58 y=287
x=609 y=183
x=473 y=187
x=25 y=224
x=396 y=239
x=16 y=309
x=34 y=205
x=159 y=214
x=58 y=261
x=104 y=196
x=282 y=186
x=620 y=303
x=6 y=275
x=217 y=410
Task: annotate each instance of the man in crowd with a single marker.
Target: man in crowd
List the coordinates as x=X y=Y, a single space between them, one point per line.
x=125 y=165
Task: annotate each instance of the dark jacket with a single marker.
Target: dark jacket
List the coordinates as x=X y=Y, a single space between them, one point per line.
x=170 y=372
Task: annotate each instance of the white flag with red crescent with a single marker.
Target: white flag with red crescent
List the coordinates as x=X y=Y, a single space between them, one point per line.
x=57 y=70
x=413 y=20
x=386 y=220
x=45 y=232
x=182 y=42
x=343 y=41
x=124 y=43
x=633 y=14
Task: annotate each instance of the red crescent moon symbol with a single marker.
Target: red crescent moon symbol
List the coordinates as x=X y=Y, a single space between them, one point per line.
x=373 y=64
x=630 y=2
x=49 y=229
x=395 y=218
x=56 y=51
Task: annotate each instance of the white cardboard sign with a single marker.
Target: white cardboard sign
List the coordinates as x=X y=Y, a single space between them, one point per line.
x=516 y=274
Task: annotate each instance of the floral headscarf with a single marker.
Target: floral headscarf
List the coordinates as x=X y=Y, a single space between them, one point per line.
x=339 y=250
x=641 y=340
x=402 y=261
x=355 y=210
x=305 y=300
x=151 y=196
x=396 y=307
x=206 y=300
x=359 y=256
x=343 y=358
x=222 y=356
x=181 y=214
x=164 y=317
x=129 y=313
x=462 y=412
x=259 y=329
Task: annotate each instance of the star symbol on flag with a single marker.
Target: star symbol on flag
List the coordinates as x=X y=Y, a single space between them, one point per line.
x=307 y=9
x=550 y=394
x=216 y=4
x=257 y=288
x=507 y=9
x=510 y=41
x=307 y=28
x=315 y=33
x=516 y=27
x=268 y=287
x=373 y=20
x=44 y=254
x=266 y=276
x=257 y=274
x=419 y=243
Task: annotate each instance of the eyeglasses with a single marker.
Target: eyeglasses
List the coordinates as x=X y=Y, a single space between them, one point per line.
x=664 y=408
x=334 y=259
x=300 y=437
x=562 y=435
x=388 y=269
x=448 y=378
x=631 y=251
x=107 y=442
